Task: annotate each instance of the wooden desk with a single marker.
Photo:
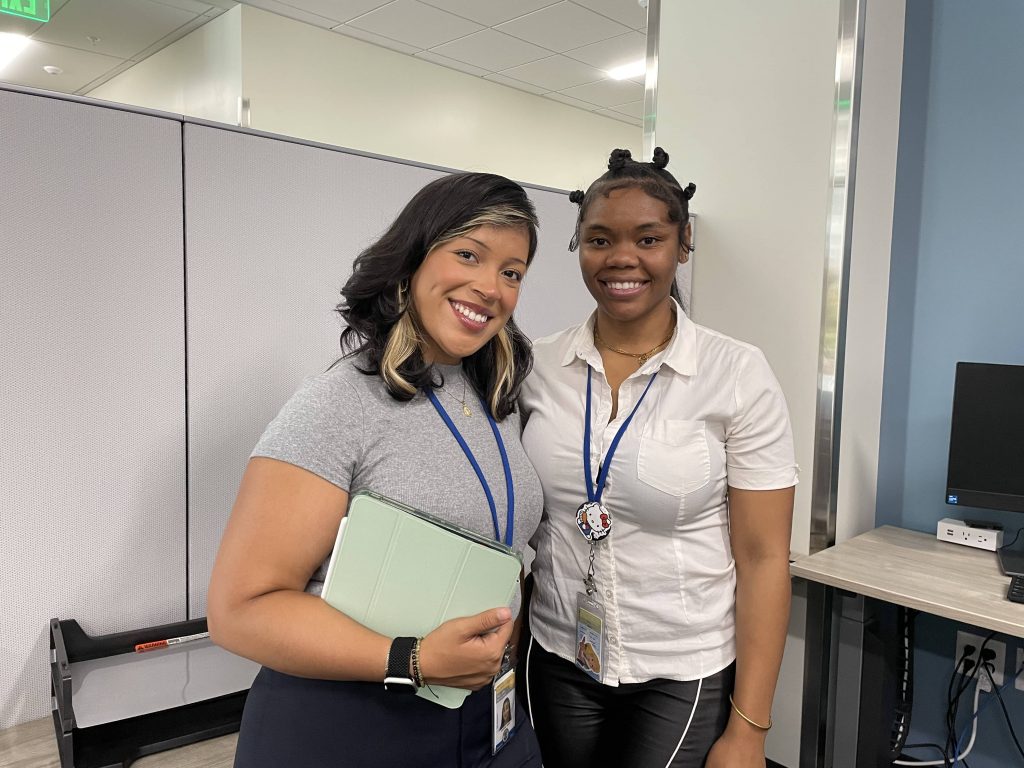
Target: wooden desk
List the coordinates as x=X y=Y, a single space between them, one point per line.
x=898 y=567
x=33 y=745
x=917 y=570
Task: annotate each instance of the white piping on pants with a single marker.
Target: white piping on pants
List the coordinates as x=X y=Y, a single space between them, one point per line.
x=529 y=705
x=686 y=730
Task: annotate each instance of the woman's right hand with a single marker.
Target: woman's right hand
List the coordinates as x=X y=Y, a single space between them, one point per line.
x=466 y=652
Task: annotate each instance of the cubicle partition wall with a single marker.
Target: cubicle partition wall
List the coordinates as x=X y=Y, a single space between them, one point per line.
x=92 y=434
x=165 y=286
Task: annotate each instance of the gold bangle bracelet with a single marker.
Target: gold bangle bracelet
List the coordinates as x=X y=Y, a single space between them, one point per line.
x=756 y=725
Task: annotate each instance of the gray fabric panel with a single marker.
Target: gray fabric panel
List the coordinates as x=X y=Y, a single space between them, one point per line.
x=273 y=228
x=554 y=296
x=92 y=439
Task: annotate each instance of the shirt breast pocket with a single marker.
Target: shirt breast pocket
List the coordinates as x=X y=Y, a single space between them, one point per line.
x=674 y=456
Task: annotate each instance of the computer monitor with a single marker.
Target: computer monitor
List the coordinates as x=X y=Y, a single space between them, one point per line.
x=986 y=444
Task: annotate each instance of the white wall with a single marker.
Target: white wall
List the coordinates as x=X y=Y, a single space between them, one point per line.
x=745 y=95
x=745 y=105
x=200 y=75
x=327 y=87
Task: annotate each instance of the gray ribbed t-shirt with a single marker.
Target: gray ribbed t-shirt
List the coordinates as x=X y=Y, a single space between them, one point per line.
x=343 y=426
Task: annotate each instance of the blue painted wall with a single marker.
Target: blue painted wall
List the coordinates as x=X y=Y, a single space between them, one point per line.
x=956 y=292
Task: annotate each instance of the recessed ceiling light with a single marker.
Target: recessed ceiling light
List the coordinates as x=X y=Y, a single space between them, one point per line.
x=633 y=69
x=52 y=70
x=10 y=46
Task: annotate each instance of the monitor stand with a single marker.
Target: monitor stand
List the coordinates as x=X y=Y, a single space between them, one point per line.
x=1011 y=561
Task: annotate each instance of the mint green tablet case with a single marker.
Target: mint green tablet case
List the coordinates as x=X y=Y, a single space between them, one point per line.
x=401 y=572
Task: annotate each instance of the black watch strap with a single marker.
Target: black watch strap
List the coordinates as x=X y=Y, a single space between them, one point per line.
x=398 y=678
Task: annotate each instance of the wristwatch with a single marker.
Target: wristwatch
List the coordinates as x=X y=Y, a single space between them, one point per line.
x=398 y=678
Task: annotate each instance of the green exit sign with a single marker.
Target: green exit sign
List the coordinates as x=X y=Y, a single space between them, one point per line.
x=27 y=9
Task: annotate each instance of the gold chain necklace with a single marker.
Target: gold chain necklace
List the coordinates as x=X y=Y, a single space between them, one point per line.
x=462 y=402
x=642 y=357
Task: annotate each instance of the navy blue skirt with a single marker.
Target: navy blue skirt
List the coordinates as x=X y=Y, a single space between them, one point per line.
x=303 y=723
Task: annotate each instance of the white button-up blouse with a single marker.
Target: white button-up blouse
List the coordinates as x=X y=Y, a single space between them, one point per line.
x=715 y=417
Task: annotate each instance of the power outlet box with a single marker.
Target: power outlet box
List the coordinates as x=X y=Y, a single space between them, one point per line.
x=958 y=532
x=1018 y=680
x=963 y=639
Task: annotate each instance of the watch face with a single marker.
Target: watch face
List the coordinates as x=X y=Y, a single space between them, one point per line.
x=400 y=684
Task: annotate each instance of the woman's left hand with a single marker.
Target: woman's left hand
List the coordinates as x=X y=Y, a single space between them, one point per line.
x=733 y=750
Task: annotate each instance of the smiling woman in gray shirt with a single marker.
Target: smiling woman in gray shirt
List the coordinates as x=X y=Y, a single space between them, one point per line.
x=430 y=336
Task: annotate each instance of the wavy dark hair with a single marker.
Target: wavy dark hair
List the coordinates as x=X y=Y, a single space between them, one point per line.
x=623 y=173
x=381 y=326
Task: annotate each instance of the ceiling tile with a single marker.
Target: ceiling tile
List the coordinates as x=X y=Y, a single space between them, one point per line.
x=555 y=73
x=166 y=40
x=615 y=52
x=562 y=26
x=16 y=25
x=579 y=103
x=414 y=23
x=632 y=108
x=517 y=84
x=492 y=12
x=291 y=12
x=342 y=10
x=361 y=34
x=444 y=61
x=124 y=27
x=607 y=92
x=193 y=6
x=492 y=50
x=106 y=76
x=619 y=116
x=80 y=67
x=626 y=12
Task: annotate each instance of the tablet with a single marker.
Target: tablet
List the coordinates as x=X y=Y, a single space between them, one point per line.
x=402 y=572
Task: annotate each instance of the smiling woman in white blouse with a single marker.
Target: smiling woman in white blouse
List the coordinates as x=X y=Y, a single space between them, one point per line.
x=662 y=588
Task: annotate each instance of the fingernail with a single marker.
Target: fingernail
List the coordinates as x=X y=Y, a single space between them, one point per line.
x=504 y=614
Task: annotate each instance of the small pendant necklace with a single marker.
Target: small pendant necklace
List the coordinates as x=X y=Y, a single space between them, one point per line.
x=641 y=357
x=462 y=401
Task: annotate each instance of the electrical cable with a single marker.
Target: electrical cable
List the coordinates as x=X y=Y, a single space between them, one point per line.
x=926 y=744
x=954 y=711
x=905 y=674
x=1015 y=537
x=953 y=701
x=977 y=713
x=999 y=695
x=958 y=758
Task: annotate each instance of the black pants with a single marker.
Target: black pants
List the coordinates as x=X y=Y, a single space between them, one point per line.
x=295 y=722
x=581 y=723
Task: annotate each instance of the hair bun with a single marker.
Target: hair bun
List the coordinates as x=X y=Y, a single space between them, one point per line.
x=660 y=158
x=576 y=196
x=689 y=190
x=618 y=159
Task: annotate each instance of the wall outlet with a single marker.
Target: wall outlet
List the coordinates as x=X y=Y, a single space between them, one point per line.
x=1018 y=681
x=963 y=639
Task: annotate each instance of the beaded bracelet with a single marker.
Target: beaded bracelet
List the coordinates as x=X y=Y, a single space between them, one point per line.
x=417 y=673
x=756 y=725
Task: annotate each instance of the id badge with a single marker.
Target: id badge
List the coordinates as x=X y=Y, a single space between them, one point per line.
x=503 y=700
x=590 y=636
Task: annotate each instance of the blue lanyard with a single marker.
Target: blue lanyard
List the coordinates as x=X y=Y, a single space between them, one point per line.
x=594 y=493
x=510 y=518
